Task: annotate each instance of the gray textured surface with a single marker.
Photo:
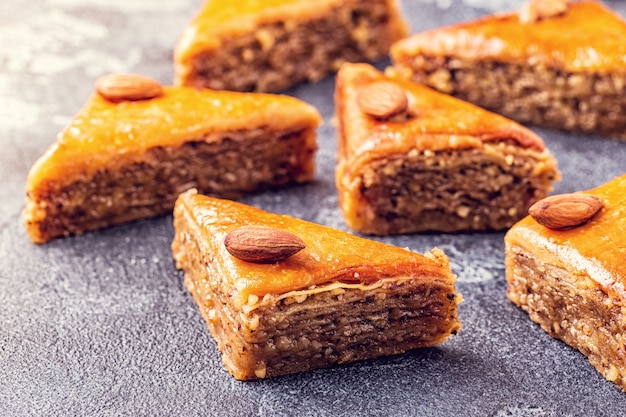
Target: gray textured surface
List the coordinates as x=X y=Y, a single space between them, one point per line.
x=102 y=325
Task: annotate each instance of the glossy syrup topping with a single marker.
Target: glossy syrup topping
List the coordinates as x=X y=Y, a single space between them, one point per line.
x=330 y=255
x=435 y=121
x=586 y=37
x=218 y=19
x=597 y=247
x=108 y=134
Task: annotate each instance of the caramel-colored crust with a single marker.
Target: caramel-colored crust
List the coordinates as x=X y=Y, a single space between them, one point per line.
x=437 y=122
x=341 y=299
x=440 y=122
x=331 y=255
x=434 y=139
x=596 y=249
x=111 y=135
x=589 y=37
x=218 y=20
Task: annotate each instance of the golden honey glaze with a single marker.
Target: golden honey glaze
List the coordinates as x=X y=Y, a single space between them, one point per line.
x=330 y=255
x=588 y=37
x=109 y=134
x=596 y=248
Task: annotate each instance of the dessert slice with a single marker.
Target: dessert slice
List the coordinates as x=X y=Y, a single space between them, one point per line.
x=554 y=64
x=340 y=299
x=136 y=145
x=411 y=159
x=566 y=268
x=270 y=45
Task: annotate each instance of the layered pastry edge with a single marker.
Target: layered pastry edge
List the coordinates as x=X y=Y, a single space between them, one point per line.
x=572 y=281
x=350 y=311
x=246 y=47
x=125 y=160
x=563 y=71
x=440 y=165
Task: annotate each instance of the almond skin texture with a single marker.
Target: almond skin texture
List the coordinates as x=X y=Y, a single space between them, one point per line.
x=565 y=211
x=262 y=244
x=128 y=87
x=536 y=10
x=382 y=99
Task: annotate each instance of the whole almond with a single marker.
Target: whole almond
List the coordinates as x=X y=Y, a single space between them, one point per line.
x=565 y=211
x=128 y=87
x=535 y=10
x=382 y=99
x=262 y=244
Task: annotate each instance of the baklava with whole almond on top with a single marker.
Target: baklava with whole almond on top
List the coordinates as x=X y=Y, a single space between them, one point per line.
x=283 y=295
x=566 y=267
x=412 y=159
x=554 y=63
x=136 y=145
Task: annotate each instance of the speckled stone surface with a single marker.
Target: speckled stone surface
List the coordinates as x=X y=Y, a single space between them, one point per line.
x=101 y=324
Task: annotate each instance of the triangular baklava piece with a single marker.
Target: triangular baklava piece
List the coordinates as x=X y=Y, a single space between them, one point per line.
x=555 y=64
x=338 y=299
x=566 y=267
x=136 y=145
x=412 y=159
x=270 y=45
